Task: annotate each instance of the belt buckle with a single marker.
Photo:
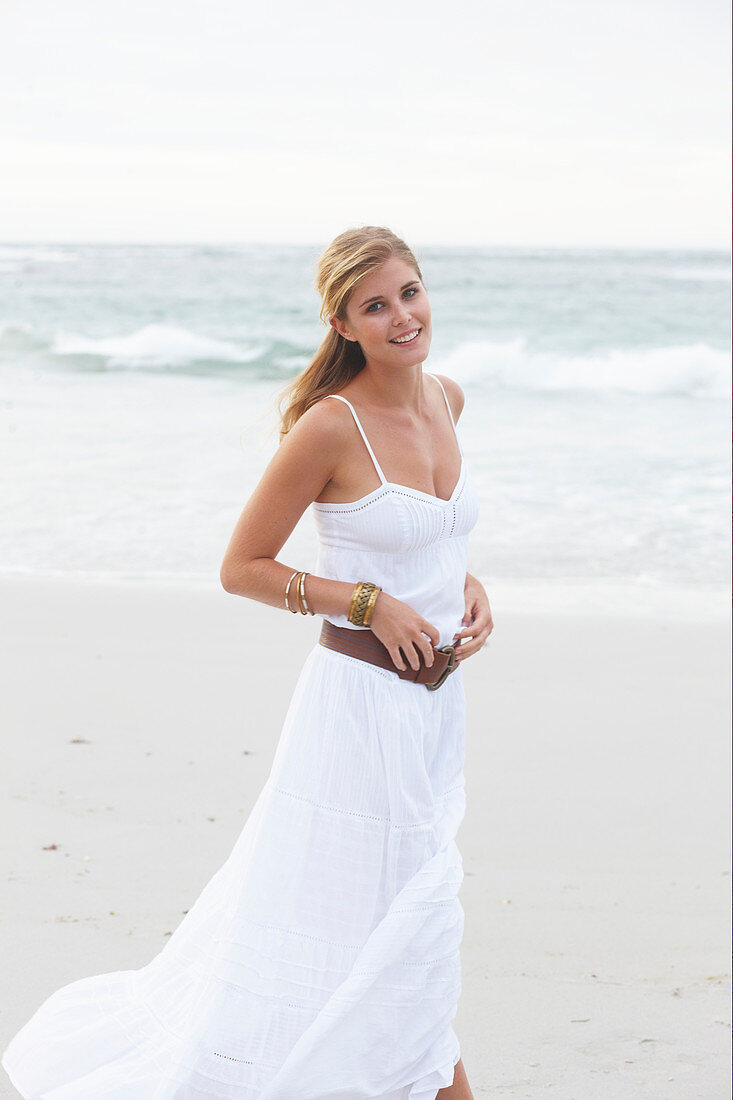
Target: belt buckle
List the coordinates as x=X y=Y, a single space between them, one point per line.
x=451 y=651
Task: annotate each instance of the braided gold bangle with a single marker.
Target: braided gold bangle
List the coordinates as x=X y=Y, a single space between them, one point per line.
x=363 y=590
x=287 y=589
x=352 y=603
x=369 y=609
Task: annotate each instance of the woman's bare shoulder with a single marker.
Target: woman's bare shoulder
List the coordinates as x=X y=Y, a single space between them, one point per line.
x=323 y=426
x=454 y=393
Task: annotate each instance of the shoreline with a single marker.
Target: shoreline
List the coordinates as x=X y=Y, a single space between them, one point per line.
x=616 y=597
x=141 y=722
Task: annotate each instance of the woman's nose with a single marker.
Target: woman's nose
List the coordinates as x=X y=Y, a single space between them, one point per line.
x=401 y=314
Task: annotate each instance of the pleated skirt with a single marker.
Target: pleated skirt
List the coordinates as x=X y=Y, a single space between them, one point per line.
x=322 y=960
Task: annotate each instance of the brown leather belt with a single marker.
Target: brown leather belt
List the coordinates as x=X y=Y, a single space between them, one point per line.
x=365 y=645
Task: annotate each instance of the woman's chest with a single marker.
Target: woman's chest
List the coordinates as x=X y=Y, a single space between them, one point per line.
x=399 y=520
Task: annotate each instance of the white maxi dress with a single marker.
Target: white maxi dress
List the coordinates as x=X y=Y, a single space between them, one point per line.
x=321 y=962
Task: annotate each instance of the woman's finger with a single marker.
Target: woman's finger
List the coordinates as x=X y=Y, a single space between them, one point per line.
x=412 y=656
x=467 y=649
x=397 y=658
x=482 y=623
x=427 y=650
x=432 y=632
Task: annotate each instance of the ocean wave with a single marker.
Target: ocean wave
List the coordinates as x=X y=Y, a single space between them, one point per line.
x=695 y=370
x=154 y=346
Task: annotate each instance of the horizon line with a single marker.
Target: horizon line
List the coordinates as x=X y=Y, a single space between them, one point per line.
x=723 y=250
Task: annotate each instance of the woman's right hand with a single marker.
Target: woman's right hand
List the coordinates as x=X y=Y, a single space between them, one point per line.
x=399 y=627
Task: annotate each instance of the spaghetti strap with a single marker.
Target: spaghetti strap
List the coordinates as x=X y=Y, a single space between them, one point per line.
x=378 y=468
x=450 y=414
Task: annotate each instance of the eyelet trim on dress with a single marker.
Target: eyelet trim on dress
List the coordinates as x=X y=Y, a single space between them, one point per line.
x=455 y=506
x=447 y=506
x=375 y=495
x=343 y=509
x=432 y=962
x=426 y=908
x=457 y=787
x=247 y=1061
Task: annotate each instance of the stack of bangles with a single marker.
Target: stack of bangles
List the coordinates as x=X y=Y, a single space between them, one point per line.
x=302 y=603
x=361 y=606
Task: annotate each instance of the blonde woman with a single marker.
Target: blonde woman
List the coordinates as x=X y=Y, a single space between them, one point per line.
x=322 y=961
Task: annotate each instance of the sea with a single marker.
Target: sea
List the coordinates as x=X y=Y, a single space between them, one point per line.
x=139 y=388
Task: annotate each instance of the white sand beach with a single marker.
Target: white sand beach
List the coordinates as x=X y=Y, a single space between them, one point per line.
x=140 y=720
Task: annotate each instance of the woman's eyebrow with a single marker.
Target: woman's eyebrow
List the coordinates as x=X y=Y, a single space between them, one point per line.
x=377 y=296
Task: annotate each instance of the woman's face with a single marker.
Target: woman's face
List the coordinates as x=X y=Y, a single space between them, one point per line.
x=386 y=305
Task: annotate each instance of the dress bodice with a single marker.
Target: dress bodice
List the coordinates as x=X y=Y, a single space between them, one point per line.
x=413 y=544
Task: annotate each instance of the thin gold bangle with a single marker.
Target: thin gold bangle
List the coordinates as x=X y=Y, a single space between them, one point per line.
x=304 y=610
x=308 y=607
x=287 y=589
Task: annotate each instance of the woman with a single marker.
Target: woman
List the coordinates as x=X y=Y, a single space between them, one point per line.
x=322 y=961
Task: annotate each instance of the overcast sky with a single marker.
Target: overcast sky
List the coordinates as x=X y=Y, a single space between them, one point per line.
x=526 y=122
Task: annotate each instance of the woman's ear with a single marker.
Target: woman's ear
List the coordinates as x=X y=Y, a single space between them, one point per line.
x=341 y=329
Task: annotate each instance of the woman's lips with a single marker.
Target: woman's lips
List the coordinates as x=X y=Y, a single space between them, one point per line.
x=402 y=342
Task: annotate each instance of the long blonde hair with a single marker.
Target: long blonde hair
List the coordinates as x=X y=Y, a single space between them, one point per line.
x=350 y=257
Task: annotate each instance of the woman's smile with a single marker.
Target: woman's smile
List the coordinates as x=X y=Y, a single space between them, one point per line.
x=408 y=337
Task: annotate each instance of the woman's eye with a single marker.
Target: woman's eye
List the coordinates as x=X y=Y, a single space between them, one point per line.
x=411 y=290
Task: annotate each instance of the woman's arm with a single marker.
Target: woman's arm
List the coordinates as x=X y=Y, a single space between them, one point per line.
x=477 y=620
x=296 y=474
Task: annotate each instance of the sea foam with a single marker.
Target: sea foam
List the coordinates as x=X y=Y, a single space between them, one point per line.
x=697 y=370
x=154 y=346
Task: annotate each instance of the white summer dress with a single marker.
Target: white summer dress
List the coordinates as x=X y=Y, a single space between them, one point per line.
x=321 y=962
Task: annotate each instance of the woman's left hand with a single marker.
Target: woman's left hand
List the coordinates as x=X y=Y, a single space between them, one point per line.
x=477 y=620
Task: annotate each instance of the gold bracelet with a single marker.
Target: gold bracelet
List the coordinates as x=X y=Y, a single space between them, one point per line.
x=354 y=596
x=304 y=610
x=359 y=598
x=369 y=609
x=287 y=589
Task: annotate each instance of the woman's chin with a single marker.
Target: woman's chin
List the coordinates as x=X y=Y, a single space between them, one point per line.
x=418 y=354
